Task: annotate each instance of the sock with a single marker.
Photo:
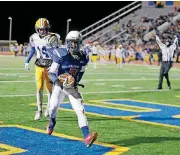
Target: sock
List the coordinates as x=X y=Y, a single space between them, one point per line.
x=85 y=131
x=94 y=65
x=40 y=107
x=52 y=123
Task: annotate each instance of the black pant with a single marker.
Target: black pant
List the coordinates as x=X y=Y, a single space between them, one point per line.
x=165 y=67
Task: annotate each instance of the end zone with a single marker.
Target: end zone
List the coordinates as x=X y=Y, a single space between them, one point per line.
x=36 y=141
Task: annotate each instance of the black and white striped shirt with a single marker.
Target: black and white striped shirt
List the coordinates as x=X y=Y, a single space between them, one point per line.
x=167 y=52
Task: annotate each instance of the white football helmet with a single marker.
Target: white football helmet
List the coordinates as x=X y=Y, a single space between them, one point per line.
x=73 y=41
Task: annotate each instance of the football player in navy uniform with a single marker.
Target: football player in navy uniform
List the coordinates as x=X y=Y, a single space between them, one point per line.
x=65 y=72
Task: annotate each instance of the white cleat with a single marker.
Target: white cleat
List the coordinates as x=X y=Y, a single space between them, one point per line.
x=46 y=114
x=38 y=115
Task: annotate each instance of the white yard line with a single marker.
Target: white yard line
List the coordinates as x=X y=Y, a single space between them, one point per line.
x=103 y=92
x=16 y=81
x=120 y=73
x=99 y=84
x=94 y=80
x=12 y=68
x=8 y=74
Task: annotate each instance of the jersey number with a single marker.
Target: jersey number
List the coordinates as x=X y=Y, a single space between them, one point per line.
x=73 y=71
x=43 y=52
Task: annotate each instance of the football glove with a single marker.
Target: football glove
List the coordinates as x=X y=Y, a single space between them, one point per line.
x=66 y=80
x=27 y=66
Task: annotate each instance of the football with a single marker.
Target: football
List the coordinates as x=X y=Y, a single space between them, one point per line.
x=66 y=79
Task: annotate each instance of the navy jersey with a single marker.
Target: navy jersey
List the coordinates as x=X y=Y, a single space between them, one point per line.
x=64 y=62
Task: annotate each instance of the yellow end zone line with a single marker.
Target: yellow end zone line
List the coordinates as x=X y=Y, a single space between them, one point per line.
x=138 y=108
x=154 y=123
x=171 y=105
x=176 y=116
x=95 y=114
x=101 y=115
x=129 y=118
x=11 y=149
x=117 y=149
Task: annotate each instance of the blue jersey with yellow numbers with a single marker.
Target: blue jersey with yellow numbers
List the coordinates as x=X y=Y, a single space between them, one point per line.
x=68 y=64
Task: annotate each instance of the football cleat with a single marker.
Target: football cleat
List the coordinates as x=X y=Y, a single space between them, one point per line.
x=89 y=140
x=50 y=126
x=46 y=113
x=38 y=115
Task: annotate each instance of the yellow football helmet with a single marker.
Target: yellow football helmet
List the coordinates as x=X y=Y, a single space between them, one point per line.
x=42 y=26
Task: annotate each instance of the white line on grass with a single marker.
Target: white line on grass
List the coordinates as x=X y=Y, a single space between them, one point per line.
x=16 y=81
x=120 y=86
x=99 y=84
x=93 y=80
x=103 y=92
x=12 y=68
x=120 y=73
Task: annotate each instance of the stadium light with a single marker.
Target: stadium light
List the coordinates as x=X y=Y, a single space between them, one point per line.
x=10 y=29
x=67 y=29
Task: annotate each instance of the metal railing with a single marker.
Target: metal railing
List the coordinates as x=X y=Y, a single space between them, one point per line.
x=113 y=37
x=109 y=19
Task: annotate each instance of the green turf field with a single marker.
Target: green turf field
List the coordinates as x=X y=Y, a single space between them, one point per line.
x=133 y=82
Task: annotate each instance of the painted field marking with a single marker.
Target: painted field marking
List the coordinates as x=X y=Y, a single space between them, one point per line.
x=100 y=92
x=11 y=149
x=36 y=141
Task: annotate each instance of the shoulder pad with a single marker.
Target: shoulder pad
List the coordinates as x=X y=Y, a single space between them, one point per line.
x=53 y=40
x=60 y=53
x=63 y=51
x=55 y=34
x=31 y=38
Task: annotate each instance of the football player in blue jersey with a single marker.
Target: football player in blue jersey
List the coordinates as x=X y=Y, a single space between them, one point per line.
x=65 y=72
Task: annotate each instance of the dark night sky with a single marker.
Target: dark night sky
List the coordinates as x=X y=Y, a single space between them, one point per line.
x=25 y=13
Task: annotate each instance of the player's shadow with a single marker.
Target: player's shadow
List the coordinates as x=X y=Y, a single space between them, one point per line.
x=72 y=119
x=141 y=140
x=177 y=89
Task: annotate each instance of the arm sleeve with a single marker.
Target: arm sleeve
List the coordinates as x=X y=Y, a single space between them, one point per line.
x=53 y=71
x=30 y=55
x=173 y=46
x=161 y=45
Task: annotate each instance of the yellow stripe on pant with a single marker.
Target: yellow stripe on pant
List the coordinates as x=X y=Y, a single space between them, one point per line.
x=112 y=57
x=94 y=58
x=41 y=76
x=119 y=60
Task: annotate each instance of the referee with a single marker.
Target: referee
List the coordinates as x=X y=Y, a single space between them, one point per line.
x=167 y=60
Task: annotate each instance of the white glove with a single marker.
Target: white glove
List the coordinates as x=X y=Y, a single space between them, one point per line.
x=27 y=66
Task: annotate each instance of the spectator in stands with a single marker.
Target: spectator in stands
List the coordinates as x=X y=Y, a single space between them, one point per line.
x=16 y=49
x=159 y=4
x=21 y=49
x=178 y=55
x=131 y=54
x=12 y=46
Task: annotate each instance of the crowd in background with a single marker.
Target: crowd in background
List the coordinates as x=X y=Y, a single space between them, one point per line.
x=132 y=41
x=20 y=49
x=131 y=44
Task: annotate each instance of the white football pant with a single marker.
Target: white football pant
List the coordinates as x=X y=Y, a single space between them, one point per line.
x=57 y=98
